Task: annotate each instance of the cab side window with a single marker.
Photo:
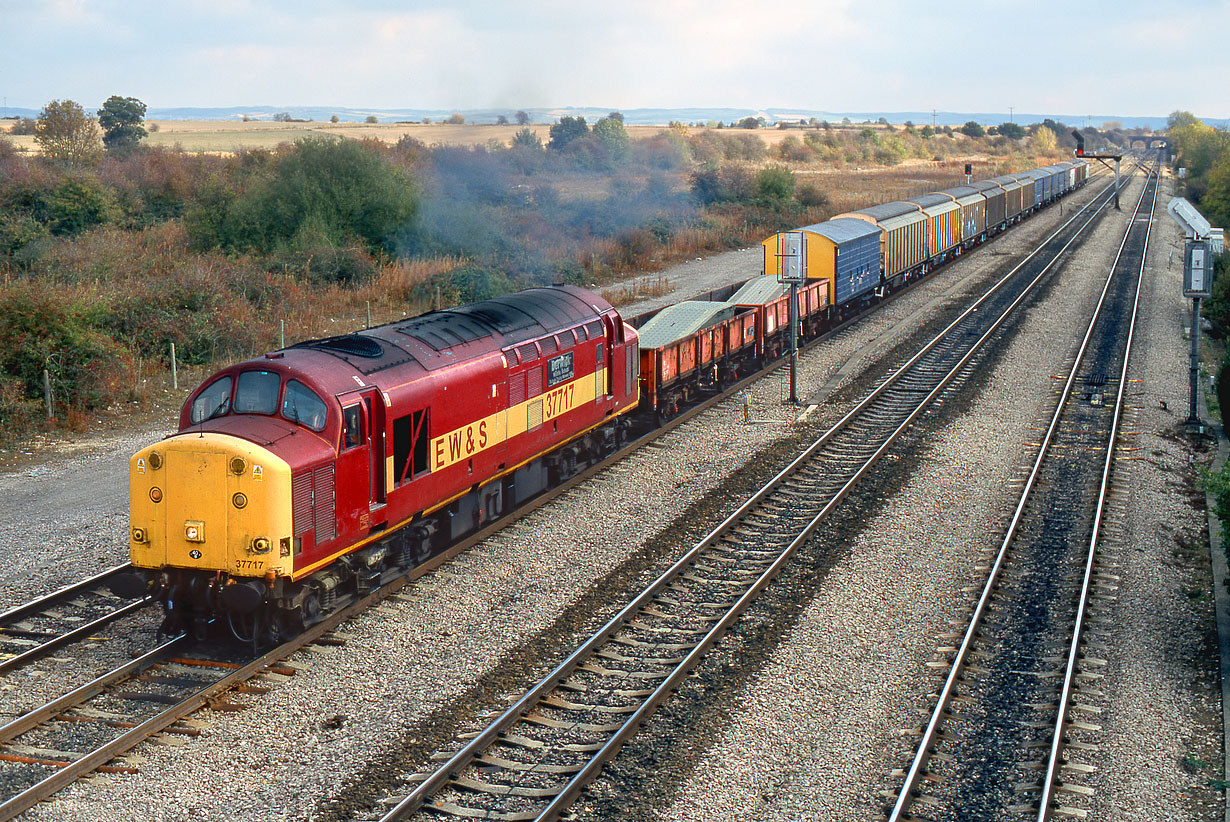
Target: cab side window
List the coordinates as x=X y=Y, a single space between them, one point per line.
x=352 y=427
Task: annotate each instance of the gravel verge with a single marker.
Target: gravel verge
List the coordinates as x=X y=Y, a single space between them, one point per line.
x=349 y=707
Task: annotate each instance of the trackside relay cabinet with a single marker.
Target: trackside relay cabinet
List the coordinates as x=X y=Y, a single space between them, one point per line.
x=1197 y=269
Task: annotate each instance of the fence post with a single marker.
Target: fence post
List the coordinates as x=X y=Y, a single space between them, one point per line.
x=47 y=391
x=174 y=369
x=369 y=313
x=281 y=333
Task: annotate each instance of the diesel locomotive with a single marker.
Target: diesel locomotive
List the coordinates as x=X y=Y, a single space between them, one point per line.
x=310 y=475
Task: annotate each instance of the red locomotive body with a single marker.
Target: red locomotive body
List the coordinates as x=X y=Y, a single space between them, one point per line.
x=374 y=450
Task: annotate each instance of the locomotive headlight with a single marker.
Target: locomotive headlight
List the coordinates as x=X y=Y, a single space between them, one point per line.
x=155 y=460
x=261 y=545
x=138 y=535
x=240 y=501
x=155 y=494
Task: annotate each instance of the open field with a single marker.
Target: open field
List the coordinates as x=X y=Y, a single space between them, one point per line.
x=224 y=136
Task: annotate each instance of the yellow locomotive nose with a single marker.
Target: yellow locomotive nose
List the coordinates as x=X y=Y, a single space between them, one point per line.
x=210 y=502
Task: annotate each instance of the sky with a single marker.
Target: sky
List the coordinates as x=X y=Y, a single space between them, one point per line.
x=1111 y=58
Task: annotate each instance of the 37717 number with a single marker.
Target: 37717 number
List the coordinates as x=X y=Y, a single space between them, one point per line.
x=559 y=401
x=249 y=564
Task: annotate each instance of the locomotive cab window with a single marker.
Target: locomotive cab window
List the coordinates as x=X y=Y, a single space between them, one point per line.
x=352 y=427
x=257 y=392
x=214 y=401
x=301 y=405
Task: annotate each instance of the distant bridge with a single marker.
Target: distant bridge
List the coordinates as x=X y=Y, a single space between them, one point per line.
x=1149 y=141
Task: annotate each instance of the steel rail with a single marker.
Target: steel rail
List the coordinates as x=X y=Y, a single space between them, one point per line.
x=1051 y=780
x=23 y=801
x=492 y=732
x=917 y=771
x=19 y=612
x=80 y=632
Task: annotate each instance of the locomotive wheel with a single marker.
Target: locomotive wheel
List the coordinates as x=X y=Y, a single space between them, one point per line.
x=297 y=620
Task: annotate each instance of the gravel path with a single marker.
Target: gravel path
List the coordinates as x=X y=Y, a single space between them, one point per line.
x=317 y=733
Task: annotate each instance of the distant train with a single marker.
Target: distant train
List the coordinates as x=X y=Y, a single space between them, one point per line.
x=698 y=346
x=309 y=476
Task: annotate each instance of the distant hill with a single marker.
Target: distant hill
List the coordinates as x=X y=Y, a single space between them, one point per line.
x=636 y=116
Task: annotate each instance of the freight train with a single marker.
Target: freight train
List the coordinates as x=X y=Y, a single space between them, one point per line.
x=846 y=263
x=307 y=477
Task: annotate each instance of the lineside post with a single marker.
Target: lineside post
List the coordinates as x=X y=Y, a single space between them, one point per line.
x=794 y=342
x=1193 y=416
x=1117 y=185
x=792 y=269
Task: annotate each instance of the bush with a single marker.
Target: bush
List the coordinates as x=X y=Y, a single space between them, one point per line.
x=43 y=328
x=774 y=185
x=319 y=193
x=810 y=195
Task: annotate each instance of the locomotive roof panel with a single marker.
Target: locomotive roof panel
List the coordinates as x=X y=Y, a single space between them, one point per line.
x=843 y=229
x=683 y=319
x=513 y=318
x=441 y=338
x=885 y=211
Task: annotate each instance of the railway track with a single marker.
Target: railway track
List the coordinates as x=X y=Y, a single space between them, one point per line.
x=1023 y=682
x=32 y=631
x=48 y=748
x=533 y=761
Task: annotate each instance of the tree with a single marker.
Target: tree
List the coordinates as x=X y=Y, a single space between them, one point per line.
x=927 y=132
x=749 y=122
x=121 y=118
x=1044 y=141
x=282 y=117
x=334 y=119
x=67 y=135
x=456 y=120
x=1178 y=119
x=615 y=115
x=973 y=129
x=775 y=185
x=371 y=118
x=612 y=134
x=1012 y=131
x=523 y=119
x=524 y=138
x=501 y=120
x=567 y=130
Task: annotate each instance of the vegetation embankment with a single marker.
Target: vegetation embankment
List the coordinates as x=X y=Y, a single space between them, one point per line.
x=1204 y=152
x=111 y=251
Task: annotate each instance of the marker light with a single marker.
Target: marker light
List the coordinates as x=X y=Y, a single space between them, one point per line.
x=155 y=494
